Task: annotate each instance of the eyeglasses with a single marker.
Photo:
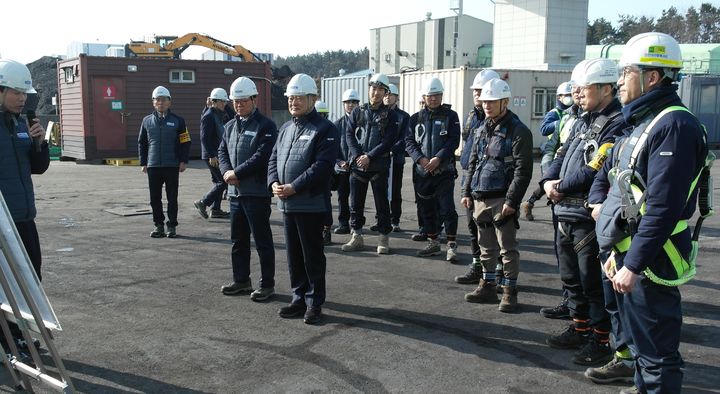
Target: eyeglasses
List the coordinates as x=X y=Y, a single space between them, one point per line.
x=624 y=71
x=242 y=100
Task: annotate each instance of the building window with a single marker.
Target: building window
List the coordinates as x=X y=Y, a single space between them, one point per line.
x=69 y=74
x=448 y=52
x=182 y=76
x=543 y=101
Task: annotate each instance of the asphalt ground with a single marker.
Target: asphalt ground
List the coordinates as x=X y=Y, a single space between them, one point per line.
x=147 y=315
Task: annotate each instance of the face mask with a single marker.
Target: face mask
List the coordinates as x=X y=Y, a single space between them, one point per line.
x=567 y=100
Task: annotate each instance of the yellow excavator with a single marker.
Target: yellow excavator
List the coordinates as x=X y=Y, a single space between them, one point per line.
x=170 y=47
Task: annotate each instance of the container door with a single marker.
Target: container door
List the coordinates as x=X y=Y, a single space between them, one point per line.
x=109 y=125
x=708 y=107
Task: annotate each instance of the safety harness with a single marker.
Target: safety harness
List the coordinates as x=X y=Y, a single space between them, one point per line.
x=633 y=190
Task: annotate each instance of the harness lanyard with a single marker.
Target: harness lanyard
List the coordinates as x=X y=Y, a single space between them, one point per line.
x=685 y=269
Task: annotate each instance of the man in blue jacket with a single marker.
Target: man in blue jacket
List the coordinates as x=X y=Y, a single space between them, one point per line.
x=431 y=143
x=23 y=152
x=211 y=133
x=243 y=155
x=567 y=183
x=472 y=126
x=350 y=100
x=164 y=149
x=299 y=174
x=372 y=131
x=398 y=159
x=648 y=192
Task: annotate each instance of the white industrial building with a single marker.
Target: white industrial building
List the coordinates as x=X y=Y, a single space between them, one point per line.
x=429 y=44
x=539 y=34
x=533 y=44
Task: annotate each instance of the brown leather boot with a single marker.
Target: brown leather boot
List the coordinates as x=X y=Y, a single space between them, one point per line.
x=509 y=299
x=484 y=293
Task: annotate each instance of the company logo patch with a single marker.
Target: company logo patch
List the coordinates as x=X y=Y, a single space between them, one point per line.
x=657 y=49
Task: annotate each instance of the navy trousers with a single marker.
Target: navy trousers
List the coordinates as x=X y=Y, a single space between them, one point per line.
x=169 y=176
x=306 y=257
x=251 y=215
x=213 y=198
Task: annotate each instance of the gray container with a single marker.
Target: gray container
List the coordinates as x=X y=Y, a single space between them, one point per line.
x=533 y=92
x=701 y=94
x=331 y=90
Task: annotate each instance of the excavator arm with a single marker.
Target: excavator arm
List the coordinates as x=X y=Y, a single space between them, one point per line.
x=180 y=44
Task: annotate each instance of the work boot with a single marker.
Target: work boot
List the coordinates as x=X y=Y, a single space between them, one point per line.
x=235 y=288
x=473 y=275
x=508 y=304
x=561 y=311
x=201 y=208
x=159 y=232
x=383 y=244
x=616 y=370
x=292 y=310
x=568 y=339
x=356 y=243
x=374 y=228
x=219 y=214
x=485 y=293
x=451 y=255
x=342 y=229
x=396 y=228
x=419 y=237
x=171 y=233
x=593 y=353
x=262 y=294
x=313 y=315
x=431 y=249
x=327 y=238
x=526 y=211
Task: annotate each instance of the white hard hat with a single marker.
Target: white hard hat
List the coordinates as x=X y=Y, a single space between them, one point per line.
x=495 y=89
x=599 y=70
x=380 y=80
x=578 y=72
x=15 y=75
x=322 y=107
x=350 y=95
x=482 y=77
x=433 y=86
x=301 y=85
x=242 y=87
x=652 y=50
x=219 y=94
x=564 y=88
x=394 y=89
x=161 y=91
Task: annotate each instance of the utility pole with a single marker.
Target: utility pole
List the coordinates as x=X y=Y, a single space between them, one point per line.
x=457 y=7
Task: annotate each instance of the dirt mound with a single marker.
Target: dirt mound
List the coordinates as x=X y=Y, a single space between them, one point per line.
x=44 y=75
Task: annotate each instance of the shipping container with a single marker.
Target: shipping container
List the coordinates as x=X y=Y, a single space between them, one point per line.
x=701 y=94
x=104 y=99
x=533 y=92
x=331 y=90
